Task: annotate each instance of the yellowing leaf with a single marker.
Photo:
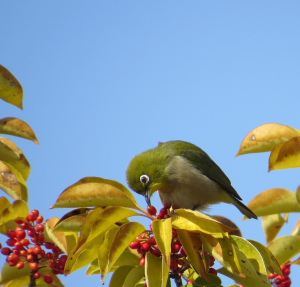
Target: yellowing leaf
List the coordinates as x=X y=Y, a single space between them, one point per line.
x=18 y=210
x=296 y=230
x=156 y=271
x=17 y=127
x=213 y=281
x=269 y=259
x=12 y=155
x=134 y=276
x=266 y=137
x=195 y=221
x=10 y=89
x=4 y=203
x=271 y=225
x=192 y=243
x=274 y=201
x=162 y=230
x=127 y=258
x=119 y=276
x=285 y=248
x=229 y=223
x=94 y=191
x=286 y=155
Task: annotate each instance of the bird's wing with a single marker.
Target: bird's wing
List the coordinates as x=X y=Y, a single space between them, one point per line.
x=209 y=168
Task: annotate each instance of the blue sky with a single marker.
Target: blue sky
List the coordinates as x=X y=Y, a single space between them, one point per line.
x=105 y=80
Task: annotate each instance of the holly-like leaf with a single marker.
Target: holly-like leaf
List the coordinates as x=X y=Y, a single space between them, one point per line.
x=95 y=191
x=119 y=276
x=269 y=259
x=18 y=210
x=10 y=89
x=271 y=225
x=17 y=127
x=196 y=221
x=286 y=155
x=162 y=230
x=274 y=201
x=266 y=137
x=192 y=243
x=134 y=276
x=285 y=248
x=12 y=155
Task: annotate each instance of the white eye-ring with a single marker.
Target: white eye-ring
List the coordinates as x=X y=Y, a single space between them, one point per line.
x=144 y=179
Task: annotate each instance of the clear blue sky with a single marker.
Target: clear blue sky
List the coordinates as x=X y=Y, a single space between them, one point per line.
x=105 y=80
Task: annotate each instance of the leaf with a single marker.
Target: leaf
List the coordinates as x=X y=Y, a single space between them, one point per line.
x=162 y=230
x=192 y=244
x=12 y=155
x=285 y=248
x=274 y=201
x=56 y=237
x=95 y=191
x=296 y=230
x=196 y=221
x=12 y=183
x=123 y=237
x=134 y=276
x=269 y=259
x=229 y=223
x=119 y=276
x=72 y=220
x=127 y=258
x=18 y=210
x=286 y=155
x=10 y=89
x=213 y=281
x=156 y=271
x=266 y=137
x=17 y=127
x=271 y=225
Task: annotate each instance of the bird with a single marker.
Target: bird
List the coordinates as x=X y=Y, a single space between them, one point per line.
x=184 y=176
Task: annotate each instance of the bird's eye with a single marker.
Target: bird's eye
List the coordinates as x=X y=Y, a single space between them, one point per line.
x=144 y=179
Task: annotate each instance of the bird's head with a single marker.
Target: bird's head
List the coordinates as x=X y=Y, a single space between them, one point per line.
x=146 y=172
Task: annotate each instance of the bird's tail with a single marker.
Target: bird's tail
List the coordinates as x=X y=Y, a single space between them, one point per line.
x=244 y=209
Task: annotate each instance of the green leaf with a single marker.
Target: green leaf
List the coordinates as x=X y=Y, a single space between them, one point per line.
x=271 y=225
x=285 y=248
x=134 y=276
x=127 y=258
x=213 y=281
x=195 y=221
x=274 y=201
x=119 y=276
x=17 y=127
x=296 y=230
x=162 y=230
x=96 y=191
x=10 y=89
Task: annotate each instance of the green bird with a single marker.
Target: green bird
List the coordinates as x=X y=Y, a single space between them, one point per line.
x=184 y=176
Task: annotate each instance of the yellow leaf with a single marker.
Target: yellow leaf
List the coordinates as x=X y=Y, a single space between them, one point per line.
x=285 y=155
x=274 y=201
x=17 y=127
x=56 y=237
x=296 y=230
x=196 y=221
x=162 y=230
x=95 y=191
x=285 y=248
x=266 y=137
x=156 y=271
x=119 y=276
x=269 y=259
x=229 y=223
x=18 y=210
x=72 y=220
x=192 y=244
x=12 y=155
x=271 y=225
x=127 y=258
x=10 y=89
x=134 y=276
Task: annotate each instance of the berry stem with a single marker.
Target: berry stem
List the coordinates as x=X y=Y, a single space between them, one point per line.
x=32 y=282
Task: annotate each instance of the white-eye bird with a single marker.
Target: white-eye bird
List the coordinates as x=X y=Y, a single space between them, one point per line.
x=185 y=177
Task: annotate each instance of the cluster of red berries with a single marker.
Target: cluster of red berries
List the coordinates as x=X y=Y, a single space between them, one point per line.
x=284 y=280
x=146 y=243
x=23 y=251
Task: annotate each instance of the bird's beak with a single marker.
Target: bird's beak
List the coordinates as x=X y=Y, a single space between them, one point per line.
x=147 y=197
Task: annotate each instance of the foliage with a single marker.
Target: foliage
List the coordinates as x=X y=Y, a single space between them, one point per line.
x=180 y=244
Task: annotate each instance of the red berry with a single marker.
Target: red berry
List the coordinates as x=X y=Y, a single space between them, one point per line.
x=23 y=253
x=37 y=249
x=134 y=245
x=152 y=240
x=20 y=265
x=212 y=271
x=18 y=245
x=286 y=272
x=151 y=210
x=48 y=279
x=173 y=265
x=40 y=237
x=55 y=271
x=39 y=219
x=33 y=266
x=180 y=262
x=158 y=217
x=175 y=247
x=190 y=282
x=62 y=261
x=21 y=234
x=49 y=255
x=174 y=233
x=155 y=252
x=39 y=228
x=163 y=212
x=25 y=225
x=211 y=261
x=30 y=258
x=16 y=251
x=19 y=221
x=30 y=250
x=42 y=253
x=25 y=242
x=5 y=251
x=182 y=251
x=31 y=232
x=35 y=212
x=145 y=247
x=166 y=216
x=37 y=275
x=13 y=259
x=49 y=245
x=142 y=261
x=141 y=236
x=56 y=249
x=167 y=205
x=11 y=234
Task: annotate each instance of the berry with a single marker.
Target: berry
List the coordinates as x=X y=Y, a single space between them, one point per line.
x=21 y=234
x=180 y=262
x=49 y=255
x=40 y=237
x=11 y=234
x=173 y=265
x=174 y=233
x=18 y=245
x=211 y=261
x=212 y=271
x=134 y=245
x=48 y=279
x=31 y=232
x=190 y=282
x=25 y=225
x=11 y=242
x=16 y=251
x=49 y=245
x=39 y=228
x=37 y=249
x=37 y=275
x=167 y=205
x=155 y=252
x=56 y=249
x=152 y=240
x=13 y=259
x=163 y=212
x=182 y=251
x=142 y=261
x=20 y=265
x=62 y=261
x=23 y=253
x=5 y=251
x=30 y=258
x=158 y=217
x=145 y=247
x=175 y=247
x=33 y=266
x=25 y=242
x=39 y=219
x=151 y=210
x=19 y=221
